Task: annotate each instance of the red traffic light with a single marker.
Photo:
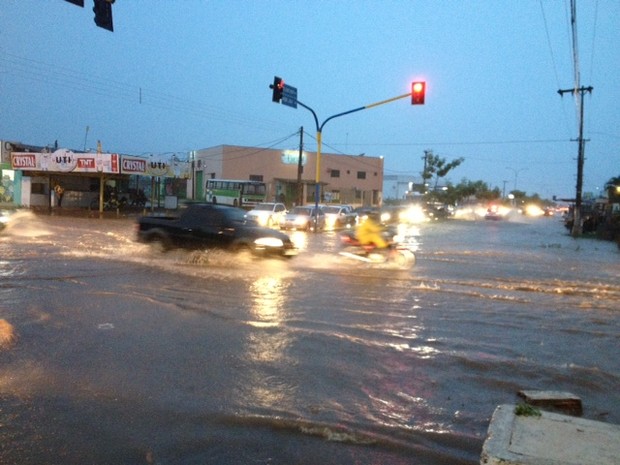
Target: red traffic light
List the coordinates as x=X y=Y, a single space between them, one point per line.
x=418 y=89
x=278 y=89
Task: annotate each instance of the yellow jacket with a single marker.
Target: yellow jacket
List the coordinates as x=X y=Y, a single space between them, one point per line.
x=369 y=232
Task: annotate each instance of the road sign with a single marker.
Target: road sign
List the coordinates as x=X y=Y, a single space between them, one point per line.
x=289 y=96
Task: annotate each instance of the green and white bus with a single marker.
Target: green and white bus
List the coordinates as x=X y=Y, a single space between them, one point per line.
x=245 y=194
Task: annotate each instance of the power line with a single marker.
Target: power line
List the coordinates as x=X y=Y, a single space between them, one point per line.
x=50 y=74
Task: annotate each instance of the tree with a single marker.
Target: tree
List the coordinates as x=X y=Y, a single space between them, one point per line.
x=465 y=190
x=436 y=166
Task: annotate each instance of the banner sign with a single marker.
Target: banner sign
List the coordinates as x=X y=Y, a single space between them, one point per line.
x=154 y=167
x=291 y=157
x=66 y=161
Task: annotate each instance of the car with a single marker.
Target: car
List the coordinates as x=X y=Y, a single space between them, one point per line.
x=493 y=213
x=338 y=217
x=304 y=218
x=205 y=225
x=267 y=214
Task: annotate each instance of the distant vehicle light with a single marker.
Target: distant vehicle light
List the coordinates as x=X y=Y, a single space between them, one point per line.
x=534 y=210
x=412 y=215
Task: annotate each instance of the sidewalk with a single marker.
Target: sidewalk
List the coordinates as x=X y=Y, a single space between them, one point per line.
x=549 y=439
x=73 y=212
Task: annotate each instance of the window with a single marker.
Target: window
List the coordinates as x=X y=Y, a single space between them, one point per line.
x=361 y=175
x=335 y=173
x=37 y=188
x=256 y=177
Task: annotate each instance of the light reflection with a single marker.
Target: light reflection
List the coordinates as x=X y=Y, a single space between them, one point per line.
x=300 y=239
x=267 y=346
x=267 y=293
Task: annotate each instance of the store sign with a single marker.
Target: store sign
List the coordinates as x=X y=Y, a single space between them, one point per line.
x=291 y=157
x=66 y=161
x=133 y=165
x=24 y=161
x=62 y=160
x=159 y=168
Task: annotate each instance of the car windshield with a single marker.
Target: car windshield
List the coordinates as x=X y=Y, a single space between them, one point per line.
x=331 y=210
x=301 y=211
x=264 y=207
x=236 y=215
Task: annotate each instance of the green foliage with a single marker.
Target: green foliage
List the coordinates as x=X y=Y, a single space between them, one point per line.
x=527 y=410
x=438 y=167
x=613 y=182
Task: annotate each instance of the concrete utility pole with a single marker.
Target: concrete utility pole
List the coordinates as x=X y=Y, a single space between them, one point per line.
x=578 y=91
x=300 y=189
x=577 y=220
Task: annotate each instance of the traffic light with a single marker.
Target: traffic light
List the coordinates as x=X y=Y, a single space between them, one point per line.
x=103 y=14
x=418 y=89
x=278 y=89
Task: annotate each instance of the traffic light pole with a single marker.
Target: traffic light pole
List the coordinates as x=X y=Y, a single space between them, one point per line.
x=319 y=132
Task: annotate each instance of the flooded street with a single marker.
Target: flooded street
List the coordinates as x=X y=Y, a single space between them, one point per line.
x=125 y=356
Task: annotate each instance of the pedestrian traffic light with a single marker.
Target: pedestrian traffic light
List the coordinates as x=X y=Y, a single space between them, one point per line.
x=278 y=89
x=418 y=89
x=103 y=14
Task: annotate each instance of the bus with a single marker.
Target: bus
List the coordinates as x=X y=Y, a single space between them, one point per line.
x=245 y=194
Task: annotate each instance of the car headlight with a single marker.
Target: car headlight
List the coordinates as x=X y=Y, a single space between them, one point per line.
x=261 y=218
x=269 y=242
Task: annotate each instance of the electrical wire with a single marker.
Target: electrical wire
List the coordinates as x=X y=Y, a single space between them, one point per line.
x=50 y=74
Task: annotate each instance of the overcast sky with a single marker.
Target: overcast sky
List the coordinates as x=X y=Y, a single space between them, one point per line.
x=180 y=75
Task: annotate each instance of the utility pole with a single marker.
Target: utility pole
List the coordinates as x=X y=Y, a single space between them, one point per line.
x=577 y=220
x=424 y=173
x=300 y=189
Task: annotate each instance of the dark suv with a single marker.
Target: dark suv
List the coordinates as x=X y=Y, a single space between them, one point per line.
x=205 y=225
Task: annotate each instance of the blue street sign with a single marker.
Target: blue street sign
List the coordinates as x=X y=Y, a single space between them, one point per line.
x=289 y=96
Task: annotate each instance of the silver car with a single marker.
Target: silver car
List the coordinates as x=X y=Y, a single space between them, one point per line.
x=304 y=219
x=267 y=214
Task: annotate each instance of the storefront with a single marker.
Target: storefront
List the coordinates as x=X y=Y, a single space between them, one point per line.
x=90 y=180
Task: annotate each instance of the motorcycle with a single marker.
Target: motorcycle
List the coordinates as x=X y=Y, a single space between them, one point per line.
x=397 y=254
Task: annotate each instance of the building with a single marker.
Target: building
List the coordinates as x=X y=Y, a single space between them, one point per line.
x=291 y=176
x=41 y=177
x=31 y=174
x=401 y=187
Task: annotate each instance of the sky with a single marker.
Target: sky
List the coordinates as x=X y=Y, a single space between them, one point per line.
x=183 y=75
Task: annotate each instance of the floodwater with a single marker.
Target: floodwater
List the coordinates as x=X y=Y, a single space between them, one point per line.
x=121 y=356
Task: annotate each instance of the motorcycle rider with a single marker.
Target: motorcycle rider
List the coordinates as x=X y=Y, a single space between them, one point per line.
x=369 y=232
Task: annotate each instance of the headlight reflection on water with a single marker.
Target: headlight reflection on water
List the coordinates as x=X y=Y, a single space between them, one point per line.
x=268 y=345
x=267 y=301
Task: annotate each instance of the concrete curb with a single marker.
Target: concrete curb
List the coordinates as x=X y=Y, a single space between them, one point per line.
x=548 y=439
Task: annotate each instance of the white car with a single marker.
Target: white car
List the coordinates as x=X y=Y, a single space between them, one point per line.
x=338 y=217
x=267 y=214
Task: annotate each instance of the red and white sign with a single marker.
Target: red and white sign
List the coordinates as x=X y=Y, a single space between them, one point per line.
x=133 y=165
x=65 y=161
